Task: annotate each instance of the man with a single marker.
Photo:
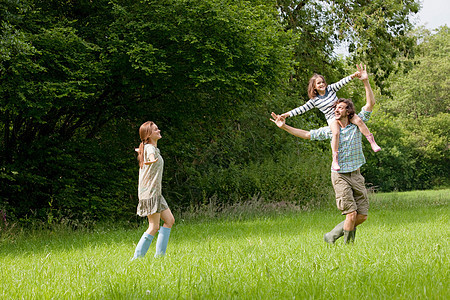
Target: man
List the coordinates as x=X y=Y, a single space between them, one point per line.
x=348 y=183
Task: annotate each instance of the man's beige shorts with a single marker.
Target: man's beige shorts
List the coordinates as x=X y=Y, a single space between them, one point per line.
x=351 y=193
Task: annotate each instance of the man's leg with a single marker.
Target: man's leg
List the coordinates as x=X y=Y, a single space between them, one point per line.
x=350 y=221
x=361 y=199
x=349 y=226
x=359 y=219
x=345 y=203
x=338 y=231
x=334 y=234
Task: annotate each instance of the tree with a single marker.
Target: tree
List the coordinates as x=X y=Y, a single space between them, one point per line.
x=415 y=120
x=78 y=78
x=375 y=32
x=430 y=97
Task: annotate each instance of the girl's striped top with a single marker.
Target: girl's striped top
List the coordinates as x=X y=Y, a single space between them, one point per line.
x=323 y=103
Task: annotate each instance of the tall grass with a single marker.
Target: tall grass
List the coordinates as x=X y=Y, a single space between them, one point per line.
x=401 y=252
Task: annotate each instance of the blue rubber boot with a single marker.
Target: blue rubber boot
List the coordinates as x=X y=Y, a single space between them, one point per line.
x=162 y=241
x=143 y=245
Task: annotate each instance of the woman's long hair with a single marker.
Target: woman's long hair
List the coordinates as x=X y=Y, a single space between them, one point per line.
x=145 y=131
x=312 y=92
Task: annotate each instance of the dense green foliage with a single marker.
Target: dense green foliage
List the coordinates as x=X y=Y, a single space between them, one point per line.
x=77 y=78
x=414 y=123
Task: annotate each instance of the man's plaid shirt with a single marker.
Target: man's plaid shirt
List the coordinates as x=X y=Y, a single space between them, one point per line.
x=350 y=155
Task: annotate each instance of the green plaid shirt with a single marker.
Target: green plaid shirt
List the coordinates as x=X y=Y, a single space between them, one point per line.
x=351 y=156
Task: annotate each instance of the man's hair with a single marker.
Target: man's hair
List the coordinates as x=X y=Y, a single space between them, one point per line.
x=350 y=106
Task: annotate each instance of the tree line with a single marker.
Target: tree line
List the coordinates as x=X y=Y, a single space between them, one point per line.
x=77 y=78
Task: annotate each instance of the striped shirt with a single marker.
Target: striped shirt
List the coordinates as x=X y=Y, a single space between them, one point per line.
x=323 y=103
x=351 y=156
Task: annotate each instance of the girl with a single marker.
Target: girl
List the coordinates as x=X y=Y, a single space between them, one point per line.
x=151 y=202
x=323 y=97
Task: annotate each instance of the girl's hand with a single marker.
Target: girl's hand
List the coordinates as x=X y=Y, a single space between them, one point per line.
x=356 y=74
x=285 y=115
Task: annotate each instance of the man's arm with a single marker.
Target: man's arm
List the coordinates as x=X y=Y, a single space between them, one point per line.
x=370 y=98
x=280 y=121
x=297 y=132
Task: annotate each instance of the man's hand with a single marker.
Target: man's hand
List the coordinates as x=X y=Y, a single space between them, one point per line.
x=362 y=72
x=279 y=120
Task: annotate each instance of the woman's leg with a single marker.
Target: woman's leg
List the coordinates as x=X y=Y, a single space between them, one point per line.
x=147 y=237
x=153 y=223
x=164 y=232
x=335 y=129
x=167 y=217
x=364 y=130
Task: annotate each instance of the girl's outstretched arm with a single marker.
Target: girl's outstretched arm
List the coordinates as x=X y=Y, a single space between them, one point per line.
x=338 y=85
x=300 y=110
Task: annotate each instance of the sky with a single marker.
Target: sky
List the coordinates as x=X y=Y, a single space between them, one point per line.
x=434 y=13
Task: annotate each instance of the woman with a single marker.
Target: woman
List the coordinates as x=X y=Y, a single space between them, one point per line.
x=151 y=202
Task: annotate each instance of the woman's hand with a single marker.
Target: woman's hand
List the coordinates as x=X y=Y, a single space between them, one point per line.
x=152 y=160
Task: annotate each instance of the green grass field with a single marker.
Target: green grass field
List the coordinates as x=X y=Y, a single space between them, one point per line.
x=401 y=252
